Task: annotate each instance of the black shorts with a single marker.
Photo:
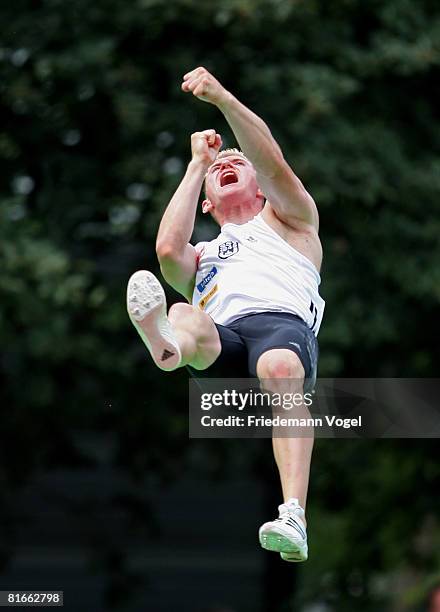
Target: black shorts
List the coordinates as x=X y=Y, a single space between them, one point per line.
x=246 y=339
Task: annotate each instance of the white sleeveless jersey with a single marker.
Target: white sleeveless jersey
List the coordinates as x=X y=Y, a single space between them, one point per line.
x=250 y=269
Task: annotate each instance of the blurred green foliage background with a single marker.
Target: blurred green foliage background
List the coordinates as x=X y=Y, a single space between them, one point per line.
x=94 y=138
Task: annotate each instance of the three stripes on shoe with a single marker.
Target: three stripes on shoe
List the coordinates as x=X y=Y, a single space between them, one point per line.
x=292 y=523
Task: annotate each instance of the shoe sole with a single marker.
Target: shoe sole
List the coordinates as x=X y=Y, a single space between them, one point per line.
x=278 y=542
x=146 y=306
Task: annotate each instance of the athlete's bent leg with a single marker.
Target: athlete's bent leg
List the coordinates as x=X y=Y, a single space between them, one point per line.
x=186 y=336
x=280 y=371
x=196 y=335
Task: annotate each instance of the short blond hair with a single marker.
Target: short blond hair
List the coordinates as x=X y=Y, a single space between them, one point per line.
x=227 y=152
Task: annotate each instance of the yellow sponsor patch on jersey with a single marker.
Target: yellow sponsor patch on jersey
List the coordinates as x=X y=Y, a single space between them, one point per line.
x=207 y=297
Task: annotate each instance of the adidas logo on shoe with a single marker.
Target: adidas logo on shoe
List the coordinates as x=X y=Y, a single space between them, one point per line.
x=166 y=355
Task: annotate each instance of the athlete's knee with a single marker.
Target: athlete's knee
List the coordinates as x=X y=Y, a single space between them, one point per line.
x=191 y=319
x=187 y=317
x=280 y=364
x=181 y=310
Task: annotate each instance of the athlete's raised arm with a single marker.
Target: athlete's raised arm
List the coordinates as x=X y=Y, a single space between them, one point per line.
x=176 y=256
x=279 y=184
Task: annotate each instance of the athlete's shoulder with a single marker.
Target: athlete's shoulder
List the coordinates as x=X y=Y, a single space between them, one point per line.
x=205 y=246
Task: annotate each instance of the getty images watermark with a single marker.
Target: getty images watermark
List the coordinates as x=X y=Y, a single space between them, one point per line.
x=368 y=408
x=252 y=400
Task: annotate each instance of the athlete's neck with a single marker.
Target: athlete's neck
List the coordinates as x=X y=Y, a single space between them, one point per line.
x=238 y=215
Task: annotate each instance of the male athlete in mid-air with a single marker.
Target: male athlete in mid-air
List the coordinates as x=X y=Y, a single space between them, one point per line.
x=254 y=307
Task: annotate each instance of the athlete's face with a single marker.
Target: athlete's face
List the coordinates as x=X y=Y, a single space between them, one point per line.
x=231 y=185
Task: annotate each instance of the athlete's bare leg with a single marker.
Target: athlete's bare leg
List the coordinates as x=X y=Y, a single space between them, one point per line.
x=184 y=336
x=196 y=335
x=282 y=372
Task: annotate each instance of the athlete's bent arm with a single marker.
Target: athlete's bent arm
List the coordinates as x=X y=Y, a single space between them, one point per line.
x=279 y=184
x=177 y=257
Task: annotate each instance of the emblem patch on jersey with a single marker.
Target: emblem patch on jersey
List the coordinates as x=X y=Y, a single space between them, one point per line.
x=207 y=297
x=227 y=249
x=202 y=285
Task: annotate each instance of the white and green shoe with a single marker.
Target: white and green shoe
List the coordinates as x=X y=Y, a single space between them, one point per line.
x=147 y=309
x=286 y=534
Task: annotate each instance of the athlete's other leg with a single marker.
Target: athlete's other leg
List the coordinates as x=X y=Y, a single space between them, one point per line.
x=186 y=336
x=281 y=371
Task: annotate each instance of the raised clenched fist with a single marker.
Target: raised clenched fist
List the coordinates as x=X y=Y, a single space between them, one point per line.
x=204 y=86
x=205 y=146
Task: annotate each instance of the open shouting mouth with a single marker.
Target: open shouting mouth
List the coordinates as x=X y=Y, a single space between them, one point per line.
x=228 y=178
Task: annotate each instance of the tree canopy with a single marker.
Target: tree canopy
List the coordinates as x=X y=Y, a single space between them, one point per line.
x=94 y=138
